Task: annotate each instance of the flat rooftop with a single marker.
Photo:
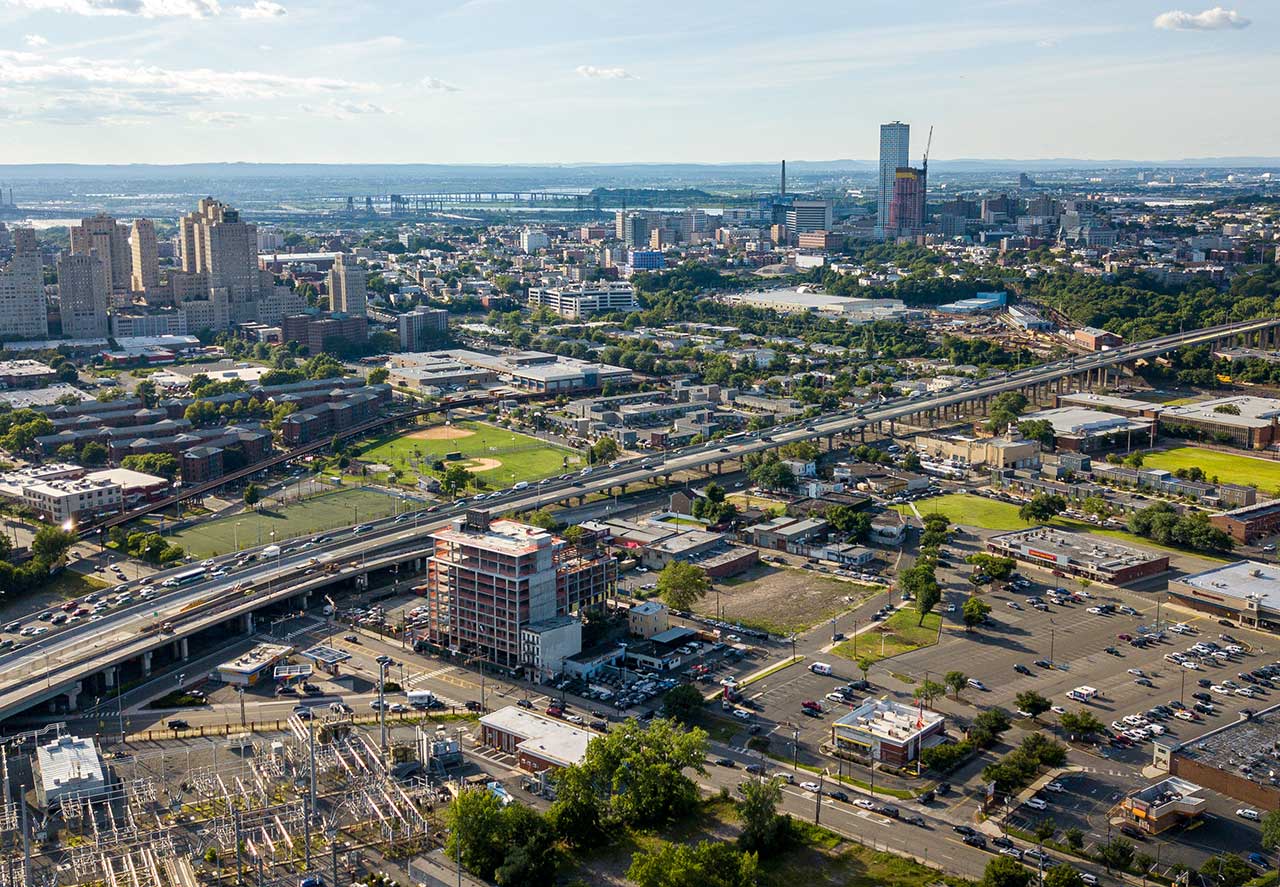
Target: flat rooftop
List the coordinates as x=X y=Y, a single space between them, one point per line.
x=503 y=536
x=1067 y=421
x=1076 y=548
x=1242 y=412
x=1107 y=401
x=1243 y=579
x=260 y=657
x=541 y=736
x=886 y=719
x=22 y=398
x=1246 y=748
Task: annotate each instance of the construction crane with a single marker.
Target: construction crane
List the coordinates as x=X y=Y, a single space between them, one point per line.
x=927 y=146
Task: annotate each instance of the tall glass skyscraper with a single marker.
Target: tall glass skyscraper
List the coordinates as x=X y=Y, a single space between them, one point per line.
x=895 y=142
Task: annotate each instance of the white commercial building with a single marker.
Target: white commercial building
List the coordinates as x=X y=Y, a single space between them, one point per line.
x=60 y=494
x=582 y=299
x=532 y=240
x=69 y=767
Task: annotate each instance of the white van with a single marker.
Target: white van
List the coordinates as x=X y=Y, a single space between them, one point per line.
x=820 y=668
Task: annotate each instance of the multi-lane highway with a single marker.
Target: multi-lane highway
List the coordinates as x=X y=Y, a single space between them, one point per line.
x=55 y=664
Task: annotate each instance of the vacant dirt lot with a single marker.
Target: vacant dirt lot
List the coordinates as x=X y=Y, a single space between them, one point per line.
x=782 y=600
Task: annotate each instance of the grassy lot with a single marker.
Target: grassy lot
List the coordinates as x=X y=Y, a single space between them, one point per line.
x=1229 y=467
x=900 y=633
x=323 y=512
x=782 y=600
x=991 y=514
x=496 y=455
x=749 y=500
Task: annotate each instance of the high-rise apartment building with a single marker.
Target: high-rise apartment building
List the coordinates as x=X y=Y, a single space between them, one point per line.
x=215 y=242
x=906 y=211
x=632 y=229
x=347 y=287
x=145 y=257
x=23 y=314
x=422 y=328
x=488 y=581
x=83 y=295
x=109 y=239
x=895 y=143
x=532 y=240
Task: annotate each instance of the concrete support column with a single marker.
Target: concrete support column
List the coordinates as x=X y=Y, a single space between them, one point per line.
x=109 y=677
x=146 y=664
x=73 y=696
x=246 y=623
x=184 y=650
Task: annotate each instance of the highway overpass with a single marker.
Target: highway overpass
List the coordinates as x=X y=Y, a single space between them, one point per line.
x=84 y=658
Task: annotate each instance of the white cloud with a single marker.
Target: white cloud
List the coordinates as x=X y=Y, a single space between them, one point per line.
x=35 y=41
x=74 y=74
x=1047 y=43
x=346 y=110
x=261 y=9
x=1216 y=19
x=144 y=8
x=193 y=9
x=435 y=84
x=218 y=118
x=591 y=72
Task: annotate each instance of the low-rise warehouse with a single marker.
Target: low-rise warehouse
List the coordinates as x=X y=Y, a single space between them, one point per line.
x=1248 y=422
x=538 y=742
x=1083 y=430
x=1239 y=759
x=1247 y=592
x=1079 y=555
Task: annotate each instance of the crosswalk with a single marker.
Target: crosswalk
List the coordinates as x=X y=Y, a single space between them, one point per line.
x=415 y=681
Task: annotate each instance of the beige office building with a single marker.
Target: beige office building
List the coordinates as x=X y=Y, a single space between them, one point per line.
x=347 y=291
x=23 y=314
x=83 y=295
x=215 y=243
x=109 y=239
x=146 y=261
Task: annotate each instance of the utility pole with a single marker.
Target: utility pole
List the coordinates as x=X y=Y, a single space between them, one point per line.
x=817 y=801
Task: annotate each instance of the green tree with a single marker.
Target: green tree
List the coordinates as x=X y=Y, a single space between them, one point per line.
x=1081 y=724
x=706 y=864
x=456 y=479
x=1032 y=703
x=163 y=464
x=758 y=811
x=542 y=519
x=682 y=584
x=1144 y=862
x=1271 y=831
x=1074 y=838
x=379 y=376
x=49 y=545
x=1226 y=870
x=252 y=494
x=1005 y=872
x=974 y=612
x=955 y=681
x=930 y=690
x=146 y=392
x=1117 y=853
x=683 y=702
x=634 y=775
x=1039 y=430
x=864 y=665
x=1062 y=876
x=773 y=475
x=1044 y=830
x=603 y=450
x=1042 y=507
x=93 y=455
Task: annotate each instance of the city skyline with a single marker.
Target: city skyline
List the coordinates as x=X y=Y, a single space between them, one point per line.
x=324 y=82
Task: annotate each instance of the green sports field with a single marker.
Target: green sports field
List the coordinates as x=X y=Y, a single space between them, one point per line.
x=990 y=514
x=1230 y=468
x=324 y=512
x=498 y=456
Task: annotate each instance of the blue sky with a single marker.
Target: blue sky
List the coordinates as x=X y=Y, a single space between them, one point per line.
x=614 y=80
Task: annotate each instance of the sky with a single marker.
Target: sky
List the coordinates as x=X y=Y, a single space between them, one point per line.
x=568 y=81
